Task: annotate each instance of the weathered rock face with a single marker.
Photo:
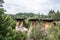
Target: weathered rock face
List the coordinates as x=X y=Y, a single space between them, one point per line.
x=46 y=25
x=22 y=29
x=20 y=26
x=33 y=23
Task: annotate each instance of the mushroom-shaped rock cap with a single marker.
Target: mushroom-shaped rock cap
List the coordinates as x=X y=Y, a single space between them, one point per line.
x=20 y=19
x=32 y=19
x=47 y=19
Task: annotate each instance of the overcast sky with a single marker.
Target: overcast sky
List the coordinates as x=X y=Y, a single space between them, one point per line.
x=35 y=6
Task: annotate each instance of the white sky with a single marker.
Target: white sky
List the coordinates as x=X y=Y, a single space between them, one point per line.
x=35 y=6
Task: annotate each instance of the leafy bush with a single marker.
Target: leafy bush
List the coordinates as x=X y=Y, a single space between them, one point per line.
x=53 y=33
x=37 y=33
x=7 y=31
x=21 y=36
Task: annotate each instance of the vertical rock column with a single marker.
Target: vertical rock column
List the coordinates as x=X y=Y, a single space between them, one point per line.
x=20 y=25
x=33 y=23
x=46 y=23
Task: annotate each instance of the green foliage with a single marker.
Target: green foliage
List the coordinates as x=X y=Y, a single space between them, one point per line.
x=7 y=27
x=51 y=13
x=53 y=33
x=26 y=23
x=2 y=11
x=21 y=36
x=6 y=24
x=37 y=33
x=7 y=31
x=55 y=15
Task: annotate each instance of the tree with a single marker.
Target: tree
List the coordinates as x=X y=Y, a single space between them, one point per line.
x=57 y=15
x=6 y=24
x=7 y=32
x=51 y=14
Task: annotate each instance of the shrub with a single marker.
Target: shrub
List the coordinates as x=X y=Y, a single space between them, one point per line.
x=53 y=33
x=7 y=28
x=37 y=33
